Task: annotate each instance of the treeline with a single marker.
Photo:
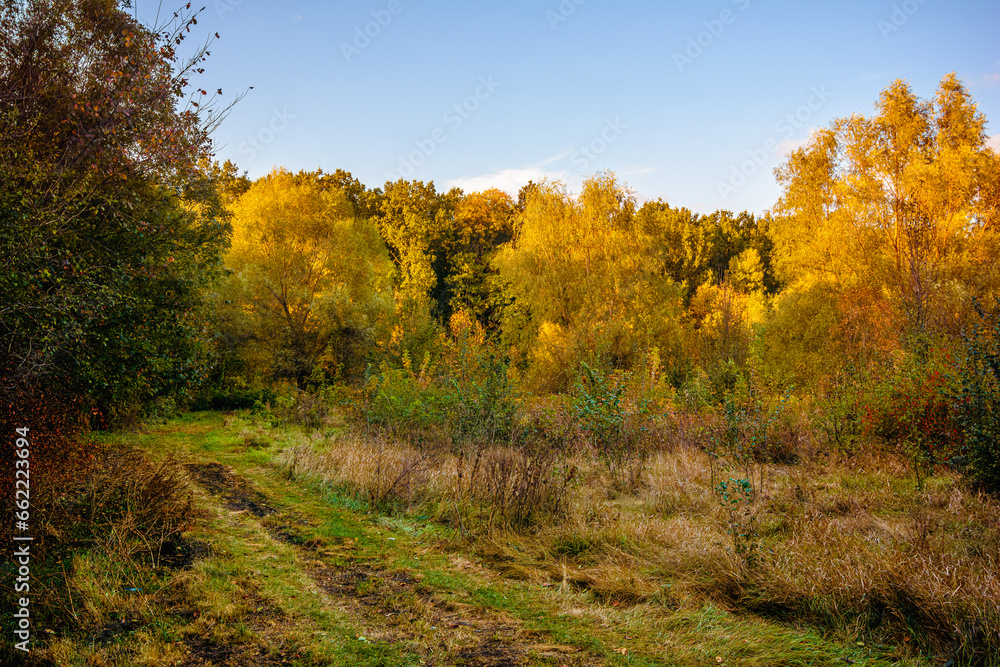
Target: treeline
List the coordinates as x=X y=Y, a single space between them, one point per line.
x=327 y=278
x=866 y=295
x=882 y=244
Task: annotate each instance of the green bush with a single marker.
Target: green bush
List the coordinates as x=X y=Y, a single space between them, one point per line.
x=467 y=396
x=616 y=427
x=839 y=412
x=235 y=399
x=484 y=402
x=404 y=402
x=979 y=404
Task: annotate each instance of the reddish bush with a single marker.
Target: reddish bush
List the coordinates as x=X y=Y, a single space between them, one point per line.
x=917 y=410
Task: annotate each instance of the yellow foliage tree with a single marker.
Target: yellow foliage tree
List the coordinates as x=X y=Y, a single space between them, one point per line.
x=895 y=215
x=311 y=283
x=582 y=268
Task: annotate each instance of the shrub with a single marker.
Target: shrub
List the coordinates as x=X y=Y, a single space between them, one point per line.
x=511 y=487
x=467 y=396
x=979 y=405
x=233 y=399
x=839 y=414
x=307 y=409
x=405 y=401
x=914 y=410
x=616 y=427
x=480 y=390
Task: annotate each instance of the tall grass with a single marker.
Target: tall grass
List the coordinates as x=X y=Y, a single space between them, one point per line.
x=848 y=544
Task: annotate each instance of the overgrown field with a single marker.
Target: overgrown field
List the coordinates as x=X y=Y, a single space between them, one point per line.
x=291 y=535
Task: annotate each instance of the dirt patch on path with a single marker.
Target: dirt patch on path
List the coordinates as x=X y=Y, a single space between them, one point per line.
x=239 y=494
x=392 y=605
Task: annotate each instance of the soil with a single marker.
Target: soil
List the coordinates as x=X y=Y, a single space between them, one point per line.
x=398 y=608
x=239 y=494
x=183 y=553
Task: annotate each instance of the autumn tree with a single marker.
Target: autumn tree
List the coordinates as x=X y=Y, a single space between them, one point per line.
x=581 y=271
x=895 y=215
x=311 y=283
x=483 y=221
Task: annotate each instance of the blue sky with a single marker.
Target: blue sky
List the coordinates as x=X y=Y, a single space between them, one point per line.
x=692 y=102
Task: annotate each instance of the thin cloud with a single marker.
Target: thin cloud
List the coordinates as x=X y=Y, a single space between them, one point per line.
x=512 y=180
x=555 y=158
x=508 y=180
x=788 y=146
x=994 y=142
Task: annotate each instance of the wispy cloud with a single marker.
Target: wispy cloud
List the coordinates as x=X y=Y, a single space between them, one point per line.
x=787 y=146
x=990 y=80
x=512 y=180
x=508 y=180
x=994 y=142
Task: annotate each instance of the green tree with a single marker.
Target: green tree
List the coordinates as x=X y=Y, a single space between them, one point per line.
x=110 y=222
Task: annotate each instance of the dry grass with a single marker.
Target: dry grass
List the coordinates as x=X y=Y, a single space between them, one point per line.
x=847 y=545
x=480 y=489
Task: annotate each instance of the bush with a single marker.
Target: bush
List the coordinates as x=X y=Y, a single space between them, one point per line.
x=310 y=410
x=233 y=399
x=979 y=406
x=120 y=509
x=839 y=412
x=480 y=390
x=914 y=410
x=511 y=487
x=404 y=401
x=466 y=396
x=747 y=433
x=617 y=428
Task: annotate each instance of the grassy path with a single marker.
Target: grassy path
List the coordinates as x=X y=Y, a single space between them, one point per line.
x=280 y=571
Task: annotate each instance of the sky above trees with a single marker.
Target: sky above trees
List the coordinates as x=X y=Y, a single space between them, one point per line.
x=696 y=103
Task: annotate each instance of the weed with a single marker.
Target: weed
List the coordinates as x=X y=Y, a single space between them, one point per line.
x=736 y=496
